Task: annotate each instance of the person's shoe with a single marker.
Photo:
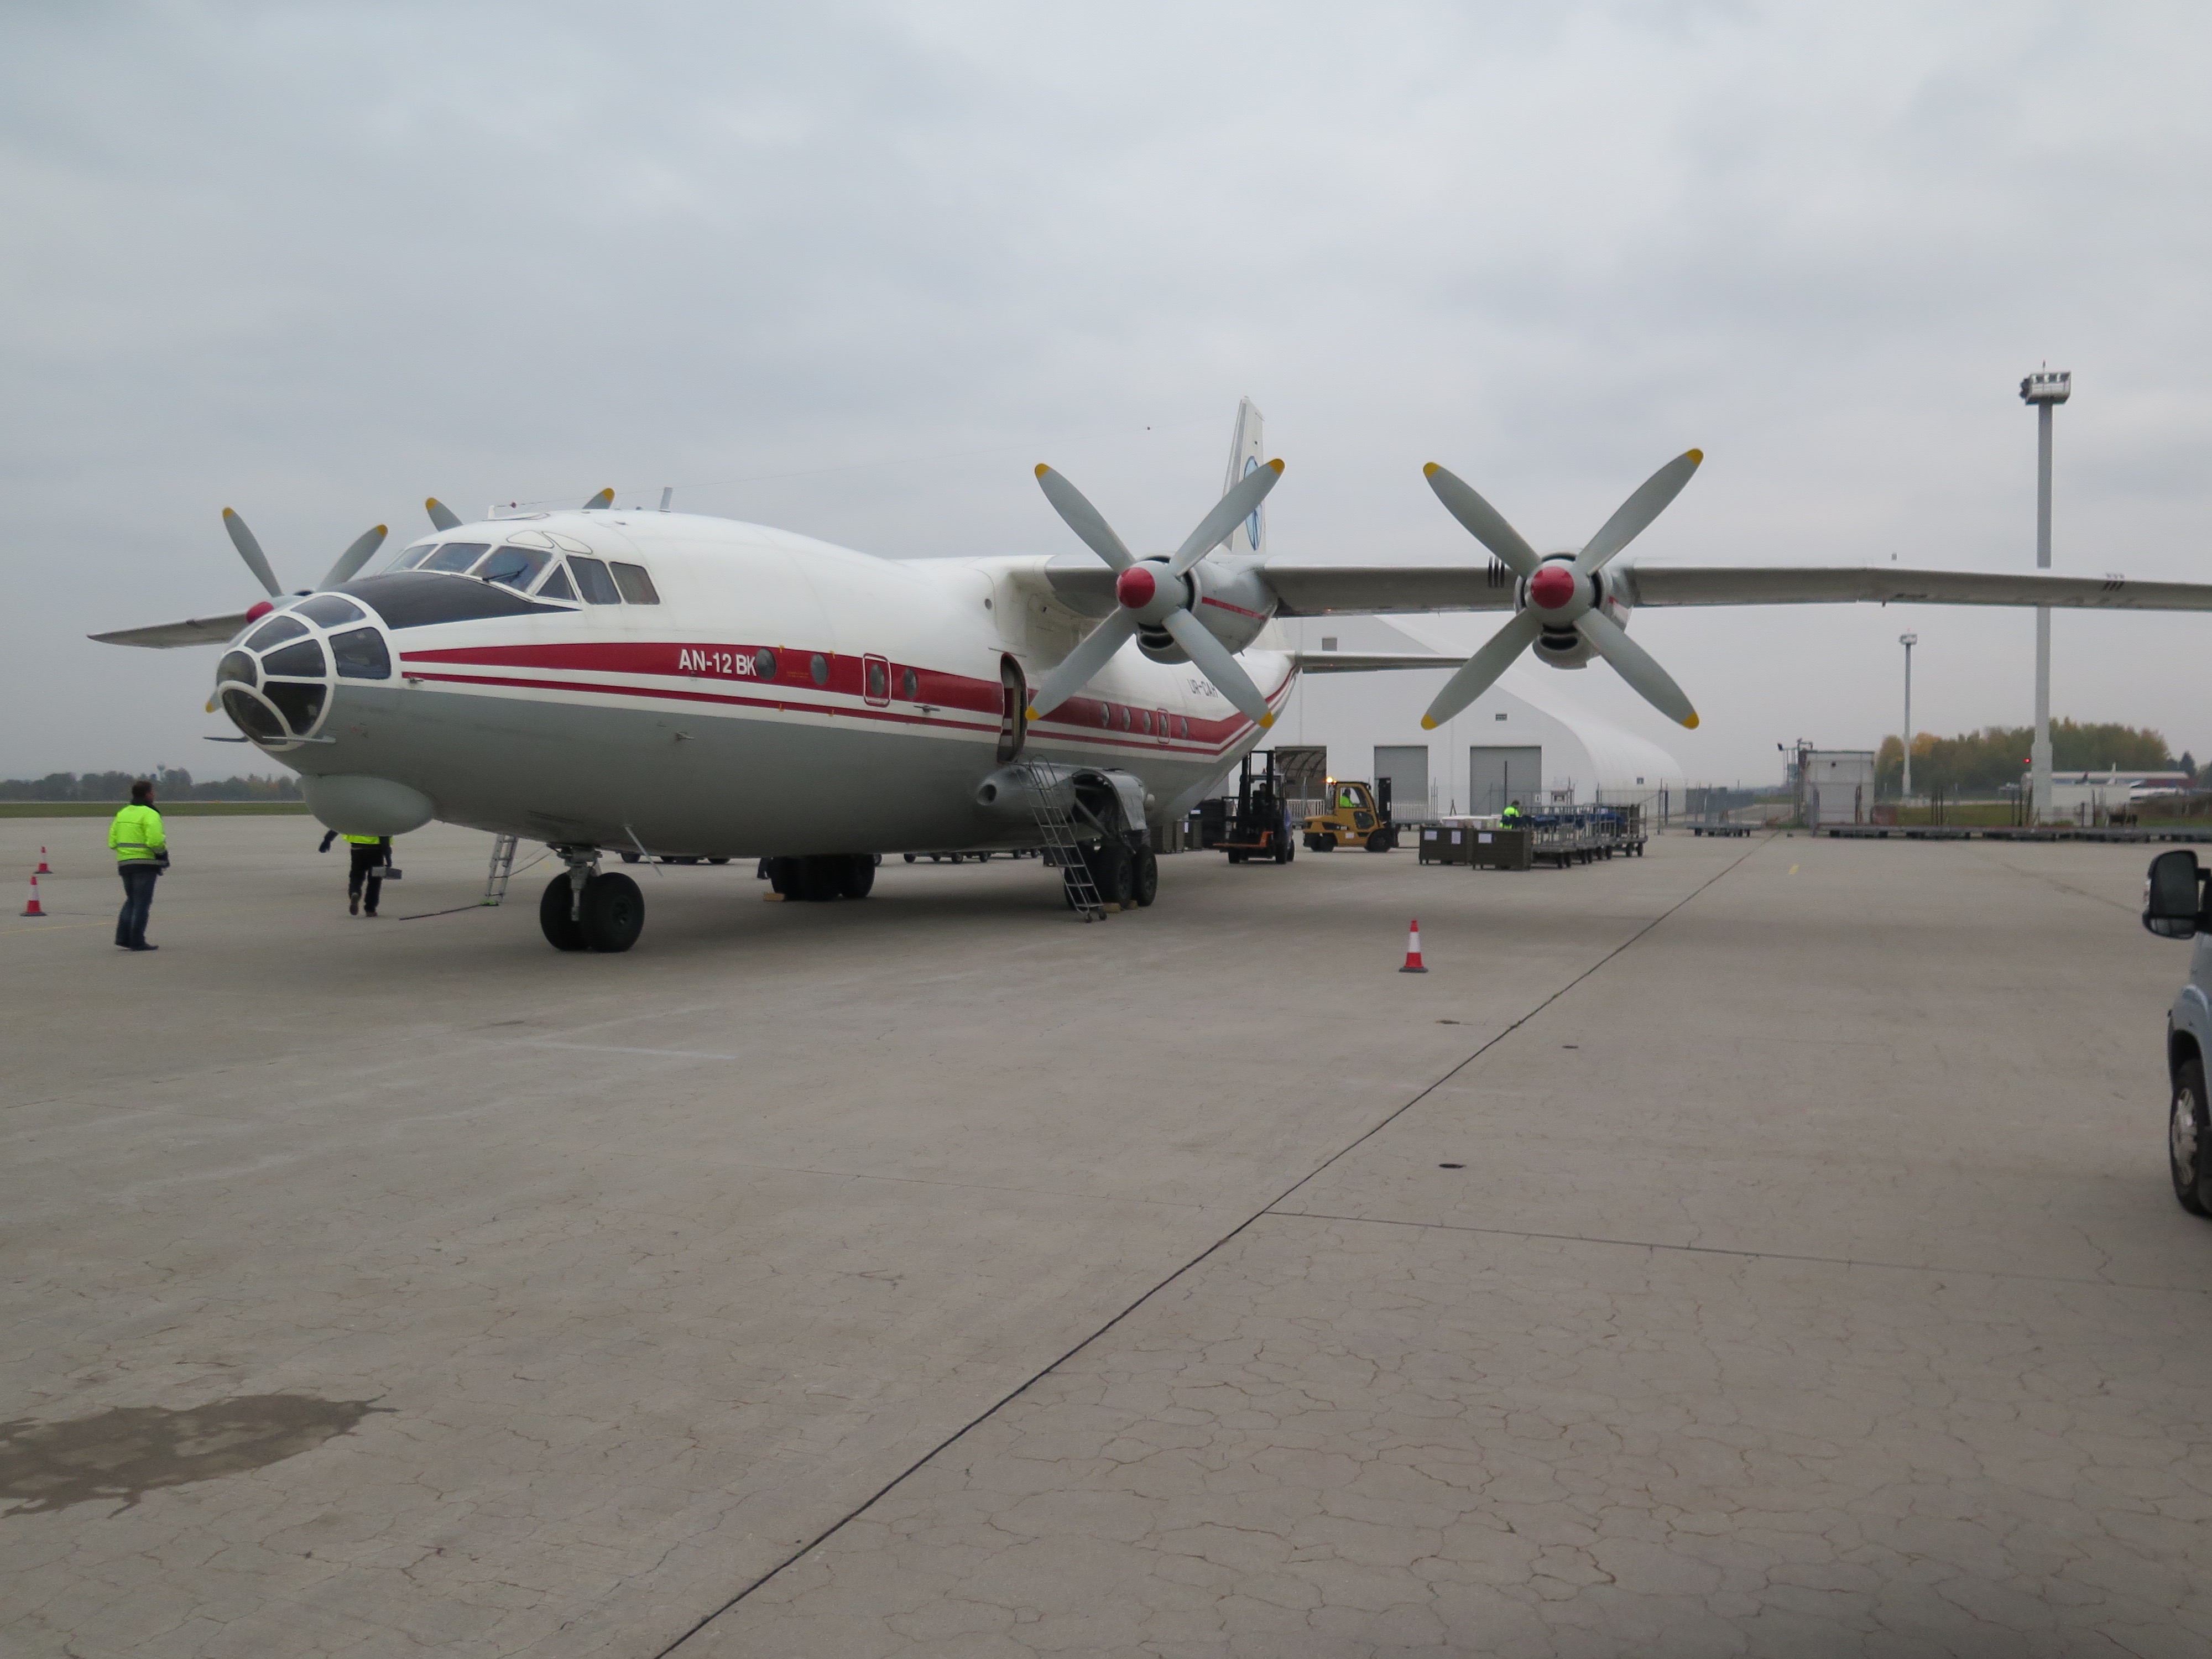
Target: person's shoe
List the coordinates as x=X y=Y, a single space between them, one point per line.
x=353 y=906
x=145 y=947
x=372 y=915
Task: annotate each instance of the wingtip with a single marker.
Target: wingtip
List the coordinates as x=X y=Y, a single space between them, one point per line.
x=1690 y=724
x=1430 y=470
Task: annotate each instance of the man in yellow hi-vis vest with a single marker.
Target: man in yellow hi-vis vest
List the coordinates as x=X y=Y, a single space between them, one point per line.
x=369 y=858
x=140 y=848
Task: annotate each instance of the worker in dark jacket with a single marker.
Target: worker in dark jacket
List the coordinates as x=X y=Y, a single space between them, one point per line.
x=142 y=849
x=370 y=856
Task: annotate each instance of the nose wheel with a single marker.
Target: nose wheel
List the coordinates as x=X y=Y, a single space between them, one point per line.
x=606 y=916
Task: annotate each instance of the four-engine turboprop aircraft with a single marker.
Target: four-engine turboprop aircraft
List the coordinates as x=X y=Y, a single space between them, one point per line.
x=656 y=683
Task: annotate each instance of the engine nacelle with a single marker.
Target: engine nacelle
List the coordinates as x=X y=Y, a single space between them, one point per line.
x=1564 y=646
x=1230 y=601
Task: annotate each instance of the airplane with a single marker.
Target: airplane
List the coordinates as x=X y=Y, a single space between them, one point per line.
x=651 y=683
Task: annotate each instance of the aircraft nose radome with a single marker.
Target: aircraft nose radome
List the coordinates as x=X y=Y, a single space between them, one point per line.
x=1135 y=587
x=1552 y=586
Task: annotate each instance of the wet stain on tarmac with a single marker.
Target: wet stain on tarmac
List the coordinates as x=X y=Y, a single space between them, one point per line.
x=127 y=1451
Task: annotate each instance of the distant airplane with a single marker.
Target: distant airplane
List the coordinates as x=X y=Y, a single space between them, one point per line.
x=609 y=680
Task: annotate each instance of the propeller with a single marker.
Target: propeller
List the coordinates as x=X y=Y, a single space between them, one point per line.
x=249 y=549
x=1558 y=593
x=1155 y=593
x=441 y=516
x=604 y=499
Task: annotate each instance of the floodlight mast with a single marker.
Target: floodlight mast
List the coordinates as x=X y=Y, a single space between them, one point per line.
x=1908 y=641
x=2045 y=389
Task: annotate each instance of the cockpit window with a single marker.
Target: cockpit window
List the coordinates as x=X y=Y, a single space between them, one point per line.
x=413 y=556
x=556 y=586
x=593 y=581
x=305 y=658
x=513 y=567
x=235 y=666
x=636 y=587
x=301 y=705
x=275 y=633
x=361 y=656
x=457 y=556
x=251 y=715
x=329 y=610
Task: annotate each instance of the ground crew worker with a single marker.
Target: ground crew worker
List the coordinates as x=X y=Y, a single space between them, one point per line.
x=370 y=855
x=1511 y=814
x=142 y=849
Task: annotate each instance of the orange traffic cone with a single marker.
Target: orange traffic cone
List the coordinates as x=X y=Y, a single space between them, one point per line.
x=1414 y=952
x=34 y=909
x=42 y=863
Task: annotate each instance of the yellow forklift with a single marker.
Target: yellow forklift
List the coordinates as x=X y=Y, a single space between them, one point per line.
x=1359 y=815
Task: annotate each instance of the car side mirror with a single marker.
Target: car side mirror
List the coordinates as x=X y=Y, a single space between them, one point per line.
x=2174 y=895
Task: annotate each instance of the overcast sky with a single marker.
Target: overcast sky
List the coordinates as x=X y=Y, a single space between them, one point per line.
x=853 y=270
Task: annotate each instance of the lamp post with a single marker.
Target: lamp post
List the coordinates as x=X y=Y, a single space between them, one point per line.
x=1908 y=641
x=2045 y=389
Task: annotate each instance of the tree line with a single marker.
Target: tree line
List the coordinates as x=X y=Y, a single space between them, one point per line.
x=170 y=783
x=1982 y=762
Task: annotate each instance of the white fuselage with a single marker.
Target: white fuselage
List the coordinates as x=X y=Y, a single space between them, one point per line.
x=783 y=696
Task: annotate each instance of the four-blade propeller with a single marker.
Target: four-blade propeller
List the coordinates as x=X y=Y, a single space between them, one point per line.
x=1561 y=595
x=1155 y=593
x=349 y=562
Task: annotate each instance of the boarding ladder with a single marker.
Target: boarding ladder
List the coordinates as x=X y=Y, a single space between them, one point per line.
x=503 y=866
x=1057 y=830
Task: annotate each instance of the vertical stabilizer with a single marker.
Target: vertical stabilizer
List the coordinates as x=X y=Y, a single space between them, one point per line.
x=1246 y=453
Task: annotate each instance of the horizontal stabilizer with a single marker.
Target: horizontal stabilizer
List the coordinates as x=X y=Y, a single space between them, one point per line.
x=197 y=630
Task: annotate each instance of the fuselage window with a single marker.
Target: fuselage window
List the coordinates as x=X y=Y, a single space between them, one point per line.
x=1185 y=725
x=513 y=567
x=275 y=633
x=819 y=667
x=910 y=685
x=304 y=659
x=1144 y=722
x=1125 y=719
x=329 y=610
x=636 y=587
x=593 y=581
x=879 y=680
x=361 y=656
x=765 y=663
x=556 y=587
x=1105 y=714
x=457 y=556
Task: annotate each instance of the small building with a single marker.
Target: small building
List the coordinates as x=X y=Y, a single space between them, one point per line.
x=1835 y=785
x=1524 y=739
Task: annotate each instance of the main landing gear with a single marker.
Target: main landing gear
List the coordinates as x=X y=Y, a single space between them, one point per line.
x=583 y=910
x=823 y=877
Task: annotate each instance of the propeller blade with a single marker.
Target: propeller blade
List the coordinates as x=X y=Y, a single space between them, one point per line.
x=354 y=557
x=1083 y=518
x=441 y=516
x=1482 y=522
x=250 y=551
x=1218 y=662
x=1477 y=673
x=1629 y=520
x=1637 y=666
x=605 y=498
x=1082 y=664
x=1232 y=510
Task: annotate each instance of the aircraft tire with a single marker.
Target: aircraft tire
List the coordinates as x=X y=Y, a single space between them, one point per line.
x=1146 y=872
x=2188 y=1140
x=562 y=932
x=857 y=876
x=1113 y=873
x=614 y=912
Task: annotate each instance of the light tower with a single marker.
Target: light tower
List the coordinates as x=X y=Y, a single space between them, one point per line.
x=1908 y=641
x=2044 y=388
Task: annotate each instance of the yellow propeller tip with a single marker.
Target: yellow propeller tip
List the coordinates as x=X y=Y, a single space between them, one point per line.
x=431 y=500
x=1031 y=714
x=383 y=529
x=1278 y=465
x=227 y=513
x=1266 y=721
x=1692 y=723
x=1430 y=470
x=1428 y=723
x=1697 y=456
x=1042 y=469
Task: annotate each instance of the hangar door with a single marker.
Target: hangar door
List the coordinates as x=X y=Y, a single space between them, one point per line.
x=1496 y=777
x=1407 y=766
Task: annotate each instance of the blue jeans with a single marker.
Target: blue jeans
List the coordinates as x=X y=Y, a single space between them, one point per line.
x=138 y=878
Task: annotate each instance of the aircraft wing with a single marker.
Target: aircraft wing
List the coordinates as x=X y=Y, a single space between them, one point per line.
x=1661 y=585
x=1321 y=590
x=195 y=630
x=1368 y=662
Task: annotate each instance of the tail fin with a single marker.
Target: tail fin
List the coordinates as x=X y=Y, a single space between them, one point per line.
x=1246 y=453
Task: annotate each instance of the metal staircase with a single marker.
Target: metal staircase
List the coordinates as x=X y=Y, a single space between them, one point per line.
x=1056 y=830
x=503 y=866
